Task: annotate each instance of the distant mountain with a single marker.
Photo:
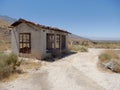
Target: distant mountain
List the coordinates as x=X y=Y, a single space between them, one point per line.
x=78 y=38
x=7 y=19
x=75 y=39
x=107 y=40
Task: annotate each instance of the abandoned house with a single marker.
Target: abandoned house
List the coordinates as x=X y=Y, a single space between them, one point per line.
x=35 y=40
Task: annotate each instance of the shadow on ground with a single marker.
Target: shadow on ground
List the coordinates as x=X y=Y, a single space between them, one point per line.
x=56 y=58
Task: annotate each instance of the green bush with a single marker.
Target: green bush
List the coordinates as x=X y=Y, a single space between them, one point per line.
x=8 y=64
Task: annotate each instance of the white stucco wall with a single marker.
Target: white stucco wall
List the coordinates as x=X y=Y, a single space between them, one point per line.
x=38 y=39
x=15 y=47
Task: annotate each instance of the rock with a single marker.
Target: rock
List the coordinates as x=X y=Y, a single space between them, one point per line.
x=113 y=65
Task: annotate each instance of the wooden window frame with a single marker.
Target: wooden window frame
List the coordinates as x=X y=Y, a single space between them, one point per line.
x=25 y=43
x=57 y=41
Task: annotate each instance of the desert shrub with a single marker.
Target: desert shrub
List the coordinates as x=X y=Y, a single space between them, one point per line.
x=85 y=43
x=110 y=60
x=107 y=45
x=83 y=49
x=8 y=64
x=108 y=55
x=79 y=48
x=104 y=57
x=12 y=60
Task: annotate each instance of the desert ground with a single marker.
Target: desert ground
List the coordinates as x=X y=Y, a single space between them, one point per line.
x=75 y=72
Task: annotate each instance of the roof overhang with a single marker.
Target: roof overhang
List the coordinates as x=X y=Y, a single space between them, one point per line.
x=37 y=25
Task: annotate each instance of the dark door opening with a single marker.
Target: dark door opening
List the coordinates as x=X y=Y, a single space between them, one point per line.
x=63 y=44
x=50 y=42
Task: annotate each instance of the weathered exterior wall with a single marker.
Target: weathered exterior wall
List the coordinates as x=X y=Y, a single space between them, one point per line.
x=15 y=46
x=36 y=47
x=38 y=39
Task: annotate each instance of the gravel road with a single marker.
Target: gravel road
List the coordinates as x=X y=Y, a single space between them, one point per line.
x=75 y=72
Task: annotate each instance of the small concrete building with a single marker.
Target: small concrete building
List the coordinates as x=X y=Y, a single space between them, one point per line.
x=38 y=41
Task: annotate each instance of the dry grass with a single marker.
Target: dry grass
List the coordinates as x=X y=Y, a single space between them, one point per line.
x=4 y=45
x=108 y=55
x=10 y=77
x=3 y=23
x=109 y=60
x=9 y=69
x=78 y=48
x=8 y=65
x=5 y=38
x=107 y=45
x=23 y=70
x=27 y=65
x=4 y=48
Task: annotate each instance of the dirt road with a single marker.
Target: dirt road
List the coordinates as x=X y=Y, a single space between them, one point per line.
x=75 y=72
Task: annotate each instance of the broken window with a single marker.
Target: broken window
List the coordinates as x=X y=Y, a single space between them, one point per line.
x=63 y=44
x=24 y=42
x=50 y=41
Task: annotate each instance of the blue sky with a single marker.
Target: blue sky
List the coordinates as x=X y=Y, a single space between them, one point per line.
x=88 y=18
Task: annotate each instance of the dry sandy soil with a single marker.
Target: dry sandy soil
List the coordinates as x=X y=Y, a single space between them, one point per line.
x=75 y=72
